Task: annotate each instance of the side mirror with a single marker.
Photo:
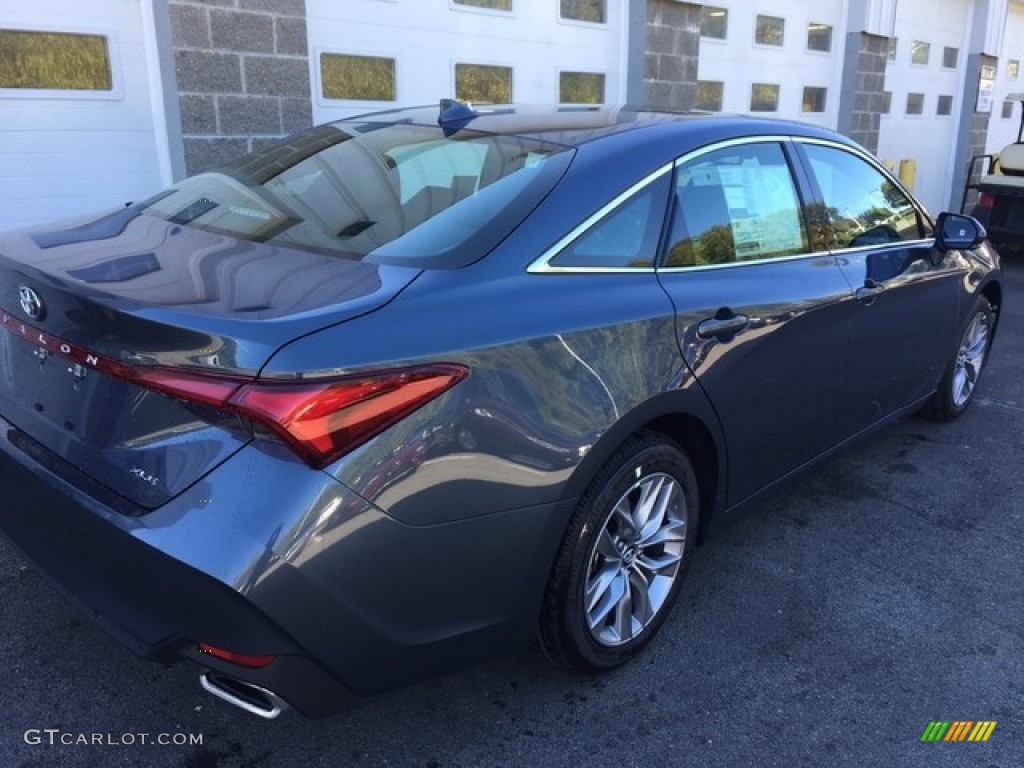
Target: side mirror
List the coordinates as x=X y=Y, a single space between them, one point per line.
x=955 y=231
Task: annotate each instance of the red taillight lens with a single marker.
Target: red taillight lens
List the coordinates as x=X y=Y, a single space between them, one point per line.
x=986 y=200
x=322 y=421
x=241 y=659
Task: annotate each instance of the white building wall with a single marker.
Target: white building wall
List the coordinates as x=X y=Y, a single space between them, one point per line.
x=428 y=37
x=927 y=138
x=65 y=153
x=1004 y=125
x=738 y=61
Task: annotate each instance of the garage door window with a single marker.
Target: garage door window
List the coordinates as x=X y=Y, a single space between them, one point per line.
x=54 y=61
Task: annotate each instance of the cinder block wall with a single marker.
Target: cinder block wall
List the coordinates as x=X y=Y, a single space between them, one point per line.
x=242 y=69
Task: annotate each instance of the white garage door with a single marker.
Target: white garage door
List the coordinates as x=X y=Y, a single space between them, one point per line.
x=76 y=119
x=925 y=80
x=387 y=54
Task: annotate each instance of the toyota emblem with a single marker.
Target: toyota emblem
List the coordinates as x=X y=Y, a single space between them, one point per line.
x=31 y=304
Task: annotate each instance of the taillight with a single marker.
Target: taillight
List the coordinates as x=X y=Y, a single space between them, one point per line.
x=321 y=420
x=986 y=200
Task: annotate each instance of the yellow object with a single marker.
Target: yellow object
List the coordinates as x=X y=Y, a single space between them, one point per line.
x=908 y=172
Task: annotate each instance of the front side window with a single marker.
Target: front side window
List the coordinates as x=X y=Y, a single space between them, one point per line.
x=735 y=204
x=861 y=205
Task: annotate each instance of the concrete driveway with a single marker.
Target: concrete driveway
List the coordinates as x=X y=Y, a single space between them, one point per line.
x=828 y=627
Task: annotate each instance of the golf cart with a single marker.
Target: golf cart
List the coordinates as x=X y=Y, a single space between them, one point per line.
x=1000 y=187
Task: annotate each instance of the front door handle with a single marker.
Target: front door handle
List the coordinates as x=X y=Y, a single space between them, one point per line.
x=723 y=326
x=867 y=293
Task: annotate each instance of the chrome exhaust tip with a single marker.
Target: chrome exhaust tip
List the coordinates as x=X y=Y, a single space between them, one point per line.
x=252 y=698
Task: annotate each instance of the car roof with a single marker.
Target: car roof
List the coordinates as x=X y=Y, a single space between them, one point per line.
x=575 y=125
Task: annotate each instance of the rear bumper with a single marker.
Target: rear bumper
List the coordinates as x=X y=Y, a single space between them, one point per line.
x=267 y=557
x=154 y=604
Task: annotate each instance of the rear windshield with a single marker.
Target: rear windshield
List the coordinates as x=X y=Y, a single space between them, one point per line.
x=381 y=192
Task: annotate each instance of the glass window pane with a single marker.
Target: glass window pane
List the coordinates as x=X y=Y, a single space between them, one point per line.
x=920 y=52
x=819 y=37
x=770 y=30
x=584 y=10
x=358 y=78
x=709 y=95
x=497 y=5
x=814 y=99
x=483 y=83
x=861 y=205
x=626 y=237
x=405 y=192
x=580 y=88
x=944 y=106
x=54 y=61
x=1007 y=110
x=915 y=103
x=735 y=204
x=885 y=106
x=764 y=97
x=714 y=22
x=950 y=57
x=1012 y=68
x=893 y=46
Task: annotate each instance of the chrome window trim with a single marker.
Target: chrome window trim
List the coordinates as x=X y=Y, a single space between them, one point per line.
x=875 y=163
x=870 y=159
x=542 y=265
x=751 y=263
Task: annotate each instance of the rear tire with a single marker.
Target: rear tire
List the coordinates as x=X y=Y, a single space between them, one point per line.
x=623 y=558
x=960 y=381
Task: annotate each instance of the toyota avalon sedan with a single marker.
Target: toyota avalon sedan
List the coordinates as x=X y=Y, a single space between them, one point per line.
x=413 y=389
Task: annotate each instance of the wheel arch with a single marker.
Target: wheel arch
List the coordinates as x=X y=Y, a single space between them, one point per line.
x=683 y=416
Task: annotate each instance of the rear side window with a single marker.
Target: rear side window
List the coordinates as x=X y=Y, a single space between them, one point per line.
x=734 y=204
x=862 y=206
x=626 y=237
x=387 y=192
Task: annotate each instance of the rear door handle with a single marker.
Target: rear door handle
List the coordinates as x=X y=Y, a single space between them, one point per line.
x=723 y=326
x=867 y=293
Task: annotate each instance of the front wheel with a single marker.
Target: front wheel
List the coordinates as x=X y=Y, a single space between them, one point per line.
x=959 y=382
x=623 y=557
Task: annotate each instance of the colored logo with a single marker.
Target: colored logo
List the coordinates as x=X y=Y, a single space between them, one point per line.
x=958 y=730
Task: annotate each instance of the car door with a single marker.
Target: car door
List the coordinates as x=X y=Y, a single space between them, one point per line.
x=759 y=316
x=903 y=314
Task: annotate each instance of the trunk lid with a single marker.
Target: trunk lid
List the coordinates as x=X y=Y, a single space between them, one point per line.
x=81 y=305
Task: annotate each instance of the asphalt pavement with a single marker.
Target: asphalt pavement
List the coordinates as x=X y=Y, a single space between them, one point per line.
x=828 y=627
